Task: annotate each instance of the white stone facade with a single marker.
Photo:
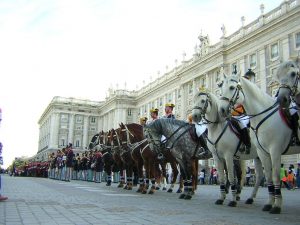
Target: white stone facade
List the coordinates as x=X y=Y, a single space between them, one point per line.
x=261 y=45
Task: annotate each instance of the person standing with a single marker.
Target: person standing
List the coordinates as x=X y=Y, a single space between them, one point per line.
x=2 y=197
x=283 y=177
x=69 y=162
x=248 y=176
x=298 y=176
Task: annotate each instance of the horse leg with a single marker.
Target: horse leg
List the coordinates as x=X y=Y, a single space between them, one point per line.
x=259 y=176
x=276 y=161
x=183 y=175
x=174 y=176
x=195 y=168
x=268 y=174
x=239 y=166
x=230 y=168
x=189 y=182
x=220 y=167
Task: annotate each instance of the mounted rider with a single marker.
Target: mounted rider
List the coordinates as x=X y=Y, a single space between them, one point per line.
x=169 y=111
x=154 y=114
x=143 y=120
x=243 y=120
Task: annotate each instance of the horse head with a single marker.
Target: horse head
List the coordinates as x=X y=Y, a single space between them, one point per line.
x=152 y=134
x=94 y=142
x=288 y=77
x=202 y=105
x=231 y=95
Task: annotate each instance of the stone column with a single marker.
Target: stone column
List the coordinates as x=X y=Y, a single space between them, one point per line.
x=262 y=76
x=54 y=125
x=85 y=132
x=285 y=49
x=71 y=129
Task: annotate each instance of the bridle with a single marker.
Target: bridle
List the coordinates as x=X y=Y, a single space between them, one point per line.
x=236 y=95
x=203 y=109
x=129 y=136
x=294 y=88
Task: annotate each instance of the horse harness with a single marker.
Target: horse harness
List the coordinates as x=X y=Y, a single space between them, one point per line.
x=273 y=107
x=134 y=145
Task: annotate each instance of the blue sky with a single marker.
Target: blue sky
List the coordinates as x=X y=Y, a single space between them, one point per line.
x=79 y=48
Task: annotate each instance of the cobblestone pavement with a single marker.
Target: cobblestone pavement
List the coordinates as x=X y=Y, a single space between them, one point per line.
x=44 y=201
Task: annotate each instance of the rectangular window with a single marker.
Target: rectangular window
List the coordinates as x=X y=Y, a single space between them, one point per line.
x=179 y=93
x=62 y=142
x=64 y=117
x=78 y=127
x=297 y=40
x=203 y=82
x=252 y=60
x=218 y=77
x=93 y=119
x=77 y=143
x=170 y=97
x=92 y=128
x=274 y=51
x=234 y=68
x=190 y=88
x=160 y=101
x=64 y=126
x=129 y=112
x=79 y=119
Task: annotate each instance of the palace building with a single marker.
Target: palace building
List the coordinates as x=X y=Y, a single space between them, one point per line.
x=260 y=46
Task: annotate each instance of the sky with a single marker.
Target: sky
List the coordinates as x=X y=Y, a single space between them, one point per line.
x=80 y=48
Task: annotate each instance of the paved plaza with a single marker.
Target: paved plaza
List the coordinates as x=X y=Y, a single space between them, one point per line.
x=44 y=201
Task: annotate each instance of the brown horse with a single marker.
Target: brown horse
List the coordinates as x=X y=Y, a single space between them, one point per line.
x=132 y=137
x=115 y=141
x=106 y=150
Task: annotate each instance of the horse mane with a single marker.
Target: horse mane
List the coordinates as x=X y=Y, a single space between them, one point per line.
x=257 y=92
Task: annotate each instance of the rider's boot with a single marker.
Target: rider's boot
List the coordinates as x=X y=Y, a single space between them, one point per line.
x=246 y=139
x=203 y=144
x=295 y=126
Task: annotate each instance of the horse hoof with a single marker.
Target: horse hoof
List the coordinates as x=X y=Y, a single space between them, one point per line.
x=144 y=192
x=188 y=197
x=182 y=196
x=178 y=191
x=151 y=192
x=267 y=208
x=238 y=198
x=125 y=188
x=219 y=202
x=108 y=184
x=164 y=189
x=120 y=185
x=249 y=201
x=157 y=188
x=232 y=204
x=129 y=188
x=170 y=190
x=275 y=210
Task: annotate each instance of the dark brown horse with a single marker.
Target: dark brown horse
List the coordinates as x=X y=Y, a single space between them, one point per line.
x=106 y=149
x=115 y=141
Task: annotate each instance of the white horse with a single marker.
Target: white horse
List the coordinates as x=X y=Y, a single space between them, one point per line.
x=268 y=129
x=288 y=76
x=224 y=144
